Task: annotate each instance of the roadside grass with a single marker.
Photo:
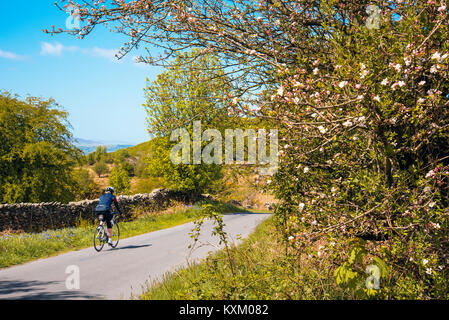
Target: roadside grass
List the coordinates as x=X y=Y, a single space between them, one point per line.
x=263 y=270
x=20 y=248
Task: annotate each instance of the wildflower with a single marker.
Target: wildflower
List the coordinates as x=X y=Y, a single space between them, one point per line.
x=425 y=261
x=376 y=98
x=421 y=83
x=384 y=82
x=429 y=270
x=315 y=71
x=306 y=169
x=301 y=206
x=291 y=238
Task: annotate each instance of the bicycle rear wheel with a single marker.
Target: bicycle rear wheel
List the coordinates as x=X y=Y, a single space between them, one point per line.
x=99 y=236
x=115 y=235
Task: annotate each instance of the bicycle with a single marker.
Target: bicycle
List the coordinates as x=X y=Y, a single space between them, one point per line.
x=101 y=233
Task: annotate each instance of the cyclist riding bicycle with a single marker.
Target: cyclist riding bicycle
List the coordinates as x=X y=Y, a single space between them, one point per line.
x=104 y=208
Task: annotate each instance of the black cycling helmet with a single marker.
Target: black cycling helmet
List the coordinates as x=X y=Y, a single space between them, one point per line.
x=110 y=189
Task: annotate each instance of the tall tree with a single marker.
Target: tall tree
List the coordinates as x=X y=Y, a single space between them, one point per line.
x=185 y=93
x=36 y=151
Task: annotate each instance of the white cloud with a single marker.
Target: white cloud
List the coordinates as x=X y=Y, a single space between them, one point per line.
x=10 y=55
x=51 y=49
x=104 y=53
x=57 y=49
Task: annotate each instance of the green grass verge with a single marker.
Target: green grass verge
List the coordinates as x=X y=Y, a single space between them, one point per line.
x=263 y=270
x=21 y=248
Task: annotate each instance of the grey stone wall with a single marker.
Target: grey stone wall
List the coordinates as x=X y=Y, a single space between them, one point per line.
x=36 y=217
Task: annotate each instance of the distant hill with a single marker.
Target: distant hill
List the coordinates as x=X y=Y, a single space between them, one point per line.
x=88 y=146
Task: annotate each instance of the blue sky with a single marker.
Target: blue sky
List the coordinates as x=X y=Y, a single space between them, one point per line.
x=103 y=96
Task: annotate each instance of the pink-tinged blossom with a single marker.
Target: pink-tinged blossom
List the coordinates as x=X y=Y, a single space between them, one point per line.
x=436 y=56
x=342 y=84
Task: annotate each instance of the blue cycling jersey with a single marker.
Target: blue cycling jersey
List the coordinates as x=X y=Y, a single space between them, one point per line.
x=106 y=201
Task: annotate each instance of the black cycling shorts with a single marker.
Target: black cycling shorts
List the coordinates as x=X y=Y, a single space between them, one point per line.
x=107 y=216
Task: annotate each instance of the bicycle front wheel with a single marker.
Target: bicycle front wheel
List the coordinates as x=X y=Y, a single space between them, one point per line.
x=115 y=235
x=99 y=237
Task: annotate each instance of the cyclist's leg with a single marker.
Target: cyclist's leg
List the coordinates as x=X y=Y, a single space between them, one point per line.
x=108 y=218
x=101 y=217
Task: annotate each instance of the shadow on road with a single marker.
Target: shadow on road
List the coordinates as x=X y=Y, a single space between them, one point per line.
x=35 y=290
x=133 y=247
x=249 y=213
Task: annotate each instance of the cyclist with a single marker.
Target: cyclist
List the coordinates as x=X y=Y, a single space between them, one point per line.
x=104 y=208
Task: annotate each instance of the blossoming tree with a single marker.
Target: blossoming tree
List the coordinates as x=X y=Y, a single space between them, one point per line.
x=359 y=91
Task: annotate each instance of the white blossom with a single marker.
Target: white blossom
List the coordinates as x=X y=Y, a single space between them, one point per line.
x=342 y=84
x=347 y=123
x=322 y=129
x=436 y=56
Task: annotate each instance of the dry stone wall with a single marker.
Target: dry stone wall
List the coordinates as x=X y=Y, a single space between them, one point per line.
x=36 y=217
